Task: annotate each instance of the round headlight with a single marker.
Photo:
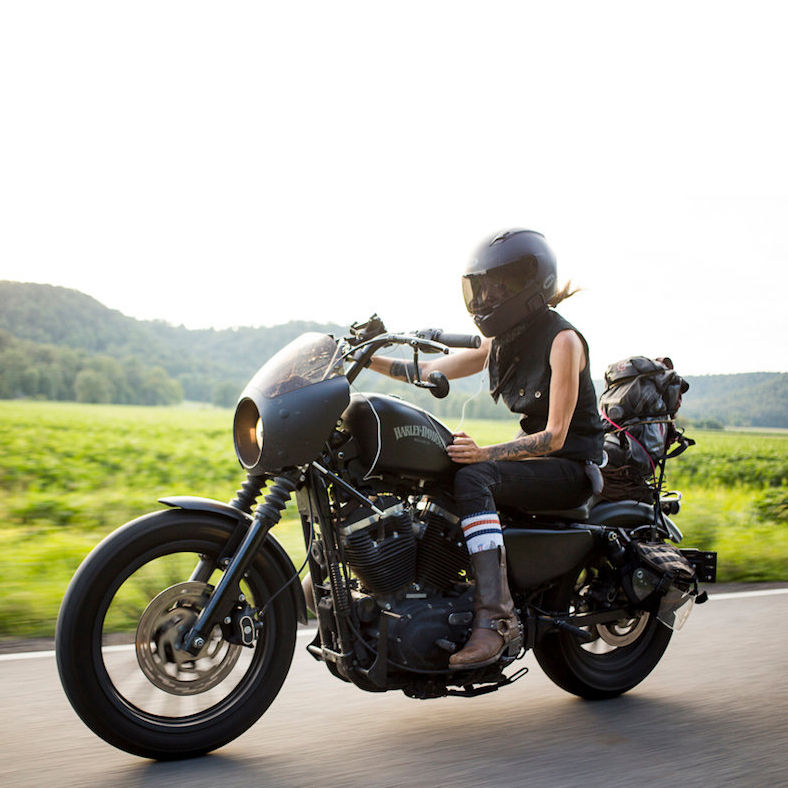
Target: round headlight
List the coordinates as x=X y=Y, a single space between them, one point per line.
x=248 y=433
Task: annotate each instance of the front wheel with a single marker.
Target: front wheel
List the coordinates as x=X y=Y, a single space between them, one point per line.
x=620 y=655
x=118 y=633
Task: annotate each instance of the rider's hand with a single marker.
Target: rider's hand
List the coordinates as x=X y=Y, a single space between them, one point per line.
x=465 y=450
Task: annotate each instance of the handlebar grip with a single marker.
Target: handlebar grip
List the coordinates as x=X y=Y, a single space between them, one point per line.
x=458 y=340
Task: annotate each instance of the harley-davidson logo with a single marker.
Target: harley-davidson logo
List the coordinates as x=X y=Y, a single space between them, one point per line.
x=418 y=431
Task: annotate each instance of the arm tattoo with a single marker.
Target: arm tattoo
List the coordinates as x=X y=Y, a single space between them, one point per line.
x=535 y=445
x=403 y=370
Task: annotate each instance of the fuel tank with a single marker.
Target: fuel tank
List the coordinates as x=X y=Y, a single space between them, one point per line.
x=395 y=437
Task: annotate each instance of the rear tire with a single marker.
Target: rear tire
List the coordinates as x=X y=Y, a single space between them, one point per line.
x=619 y=658
x=111 y=590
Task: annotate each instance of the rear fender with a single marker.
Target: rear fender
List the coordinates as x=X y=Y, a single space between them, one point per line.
x=271 y=545
x=626 y=514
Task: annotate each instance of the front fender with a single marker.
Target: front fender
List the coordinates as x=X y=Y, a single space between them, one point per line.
x=275 y=550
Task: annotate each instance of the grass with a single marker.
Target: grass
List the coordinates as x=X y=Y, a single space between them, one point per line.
x=70 y=474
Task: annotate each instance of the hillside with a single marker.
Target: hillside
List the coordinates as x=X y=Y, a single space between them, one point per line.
x=57 y=343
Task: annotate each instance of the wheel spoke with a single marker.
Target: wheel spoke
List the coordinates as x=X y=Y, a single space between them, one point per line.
x=156 y=676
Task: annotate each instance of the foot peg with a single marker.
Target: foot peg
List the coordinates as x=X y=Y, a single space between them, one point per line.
x=580 y=634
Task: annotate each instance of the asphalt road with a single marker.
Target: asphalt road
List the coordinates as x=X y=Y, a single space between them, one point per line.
x=714 y=712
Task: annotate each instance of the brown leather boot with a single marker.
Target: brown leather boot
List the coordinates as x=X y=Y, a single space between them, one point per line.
x=495 y=623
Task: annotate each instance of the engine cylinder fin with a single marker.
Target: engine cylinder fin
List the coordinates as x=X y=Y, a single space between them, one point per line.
x=382 y=551
x=443 y=555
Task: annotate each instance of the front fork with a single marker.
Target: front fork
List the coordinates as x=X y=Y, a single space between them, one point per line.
x=267 y=515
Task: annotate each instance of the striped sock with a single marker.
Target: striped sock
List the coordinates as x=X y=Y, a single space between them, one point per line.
x=482 y=531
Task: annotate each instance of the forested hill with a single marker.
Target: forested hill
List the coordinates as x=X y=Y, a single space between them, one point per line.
x=50 y=335
x=57 y=343
x=754 y=399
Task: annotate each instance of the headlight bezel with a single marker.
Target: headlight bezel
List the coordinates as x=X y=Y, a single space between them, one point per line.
x=248 y=433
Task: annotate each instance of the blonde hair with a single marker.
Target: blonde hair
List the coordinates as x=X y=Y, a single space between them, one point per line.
x=563 y=294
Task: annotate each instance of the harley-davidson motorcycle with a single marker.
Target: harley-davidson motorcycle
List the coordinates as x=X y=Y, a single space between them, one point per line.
x=178 y=630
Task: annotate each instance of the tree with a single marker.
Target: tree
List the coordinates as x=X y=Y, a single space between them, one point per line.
x=159 y=389
x=225 y=395
x=92 y=386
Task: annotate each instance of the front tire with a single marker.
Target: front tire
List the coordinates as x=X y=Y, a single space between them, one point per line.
x=145 y=699
x=621 y=655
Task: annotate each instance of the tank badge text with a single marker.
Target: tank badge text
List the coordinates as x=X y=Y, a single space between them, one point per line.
x=418 y=431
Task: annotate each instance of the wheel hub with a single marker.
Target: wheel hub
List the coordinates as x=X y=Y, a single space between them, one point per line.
x=624 y=631
x=160 y=631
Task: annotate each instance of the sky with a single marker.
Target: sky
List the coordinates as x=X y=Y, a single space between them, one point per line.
x=251 y=163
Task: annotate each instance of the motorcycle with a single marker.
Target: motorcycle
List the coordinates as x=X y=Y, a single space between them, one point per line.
x=214 y=601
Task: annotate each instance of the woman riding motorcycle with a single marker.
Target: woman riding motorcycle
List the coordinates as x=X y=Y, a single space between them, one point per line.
x=539 y=364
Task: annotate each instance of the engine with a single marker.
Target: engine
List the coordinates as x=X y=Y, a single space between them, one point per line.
x=418 y=547
x=380 y=549
x=411 y=561
x=443 y=557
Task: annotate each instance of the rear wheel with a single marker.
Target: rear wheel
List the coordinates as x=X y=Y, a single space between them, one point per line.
x=119 y=629
x=620 y=655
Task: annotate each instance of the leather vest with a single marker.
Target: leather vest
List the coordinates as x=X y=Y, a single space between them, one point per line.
x=520 y=374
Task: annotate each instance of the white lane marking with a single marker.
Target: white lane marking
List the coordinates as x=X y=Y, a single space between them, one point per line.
x=311 y=631
x=742 y=594
x=301 y=633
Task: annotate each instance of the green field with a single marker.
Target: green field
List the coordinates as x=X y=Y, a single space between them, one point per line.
x=71 y=473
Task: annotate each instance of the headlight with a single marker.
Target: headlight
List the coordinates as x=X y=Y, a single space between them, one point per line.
x=248 y=433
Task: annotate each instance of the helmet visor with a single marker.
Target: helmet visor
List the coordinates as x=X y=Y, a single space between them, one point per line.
x=486 y=291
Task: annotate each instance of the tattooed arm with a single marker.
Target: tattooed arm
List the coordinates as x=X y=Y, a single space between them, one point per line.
x=465 y=450
x=567 y=360
x=455 y=365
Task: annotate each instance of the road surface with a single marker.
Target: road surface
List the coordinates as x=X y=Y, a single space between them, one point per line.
x=714 y=712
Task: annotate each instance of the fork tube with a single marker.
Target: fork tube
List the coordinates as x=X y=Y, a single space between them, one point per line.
x=203 y=571
x=266 y=517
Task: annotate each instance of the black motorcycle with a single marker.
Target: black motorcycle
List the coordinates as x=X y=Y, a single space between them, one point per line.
x=213 y=600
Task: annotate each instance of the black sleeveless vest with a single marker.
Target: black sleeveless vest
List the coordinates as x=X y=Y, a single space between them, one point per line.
x=520 y=373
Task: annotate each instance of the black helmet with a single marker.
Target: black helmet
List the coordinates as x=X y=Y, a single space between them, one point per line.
x=511 y=276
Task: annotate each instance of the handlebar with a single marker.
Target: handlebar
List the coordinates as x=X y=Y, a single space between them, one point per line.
x=457 y=340
x=370 y=337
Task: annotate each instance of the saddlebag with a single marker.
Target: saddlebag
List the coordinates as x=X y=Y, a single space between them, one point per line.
x=659 y=579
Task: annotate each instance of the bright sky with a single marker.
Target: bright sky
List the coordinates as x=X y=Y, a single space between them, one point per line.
x=251 y=163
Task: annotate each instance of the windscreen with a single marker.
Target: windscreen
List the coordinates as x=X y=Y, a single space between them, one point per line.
x=309 y=359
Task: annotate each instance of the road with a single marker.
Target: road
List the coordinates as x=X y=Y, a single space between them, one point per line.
x=713 y=713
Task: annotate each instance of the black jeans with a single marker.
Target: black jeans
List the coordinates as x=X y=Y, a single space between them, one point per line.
x=536 y=484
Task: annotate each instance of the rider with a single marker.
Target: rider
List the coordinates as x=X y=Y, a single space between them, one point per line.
x=538 y=363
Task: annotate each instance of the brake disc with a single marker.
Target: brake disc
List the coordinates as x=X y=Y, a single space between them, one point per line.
x=163 y=623
x=623 y=632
